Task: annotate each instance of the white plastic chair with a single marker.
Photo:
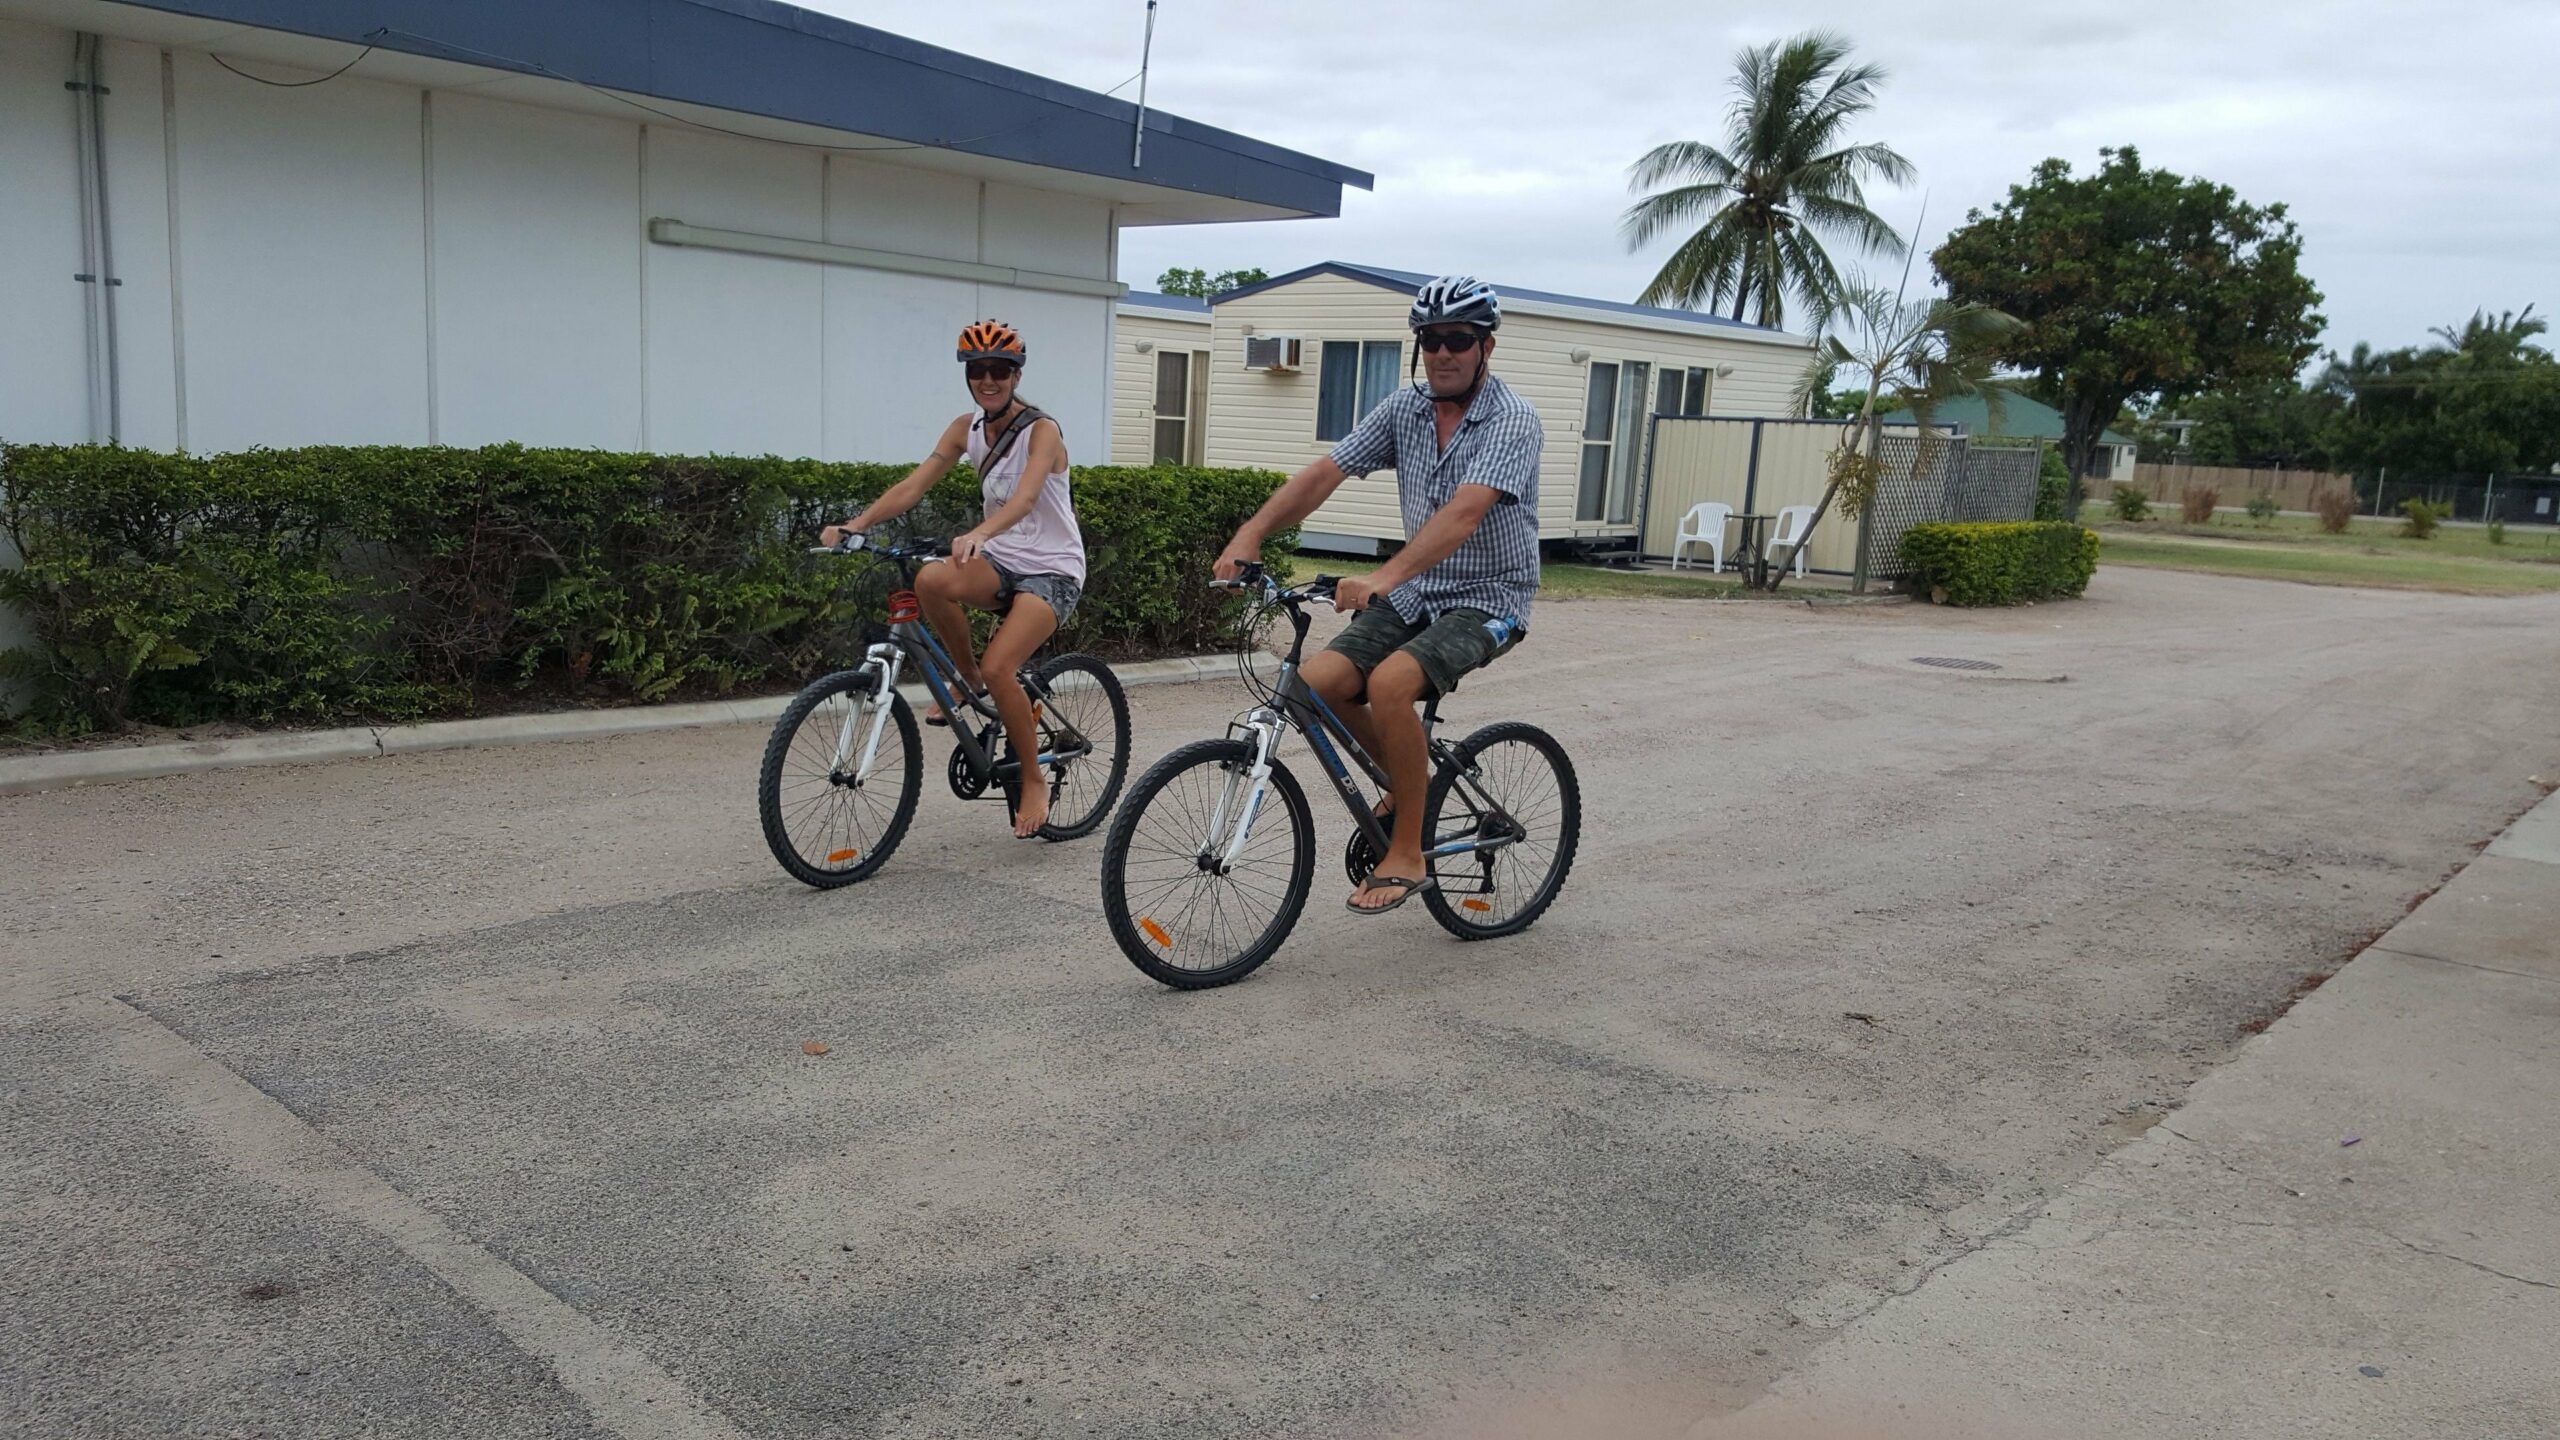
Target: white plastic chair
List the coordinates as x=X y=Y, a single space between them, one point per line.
x=1793 y=521
x=1703 y=525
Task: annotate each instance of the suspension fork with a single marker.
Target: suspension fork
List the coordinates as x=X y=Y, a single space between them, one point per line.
x=884 y=662
x=1246 y=790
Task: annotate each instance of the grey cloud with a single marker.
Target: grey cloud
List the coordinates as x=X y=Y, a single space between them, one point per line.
x=2410 y=144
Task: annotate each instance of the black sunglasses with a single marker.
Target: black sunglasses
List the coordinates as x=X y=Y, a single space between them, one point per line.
x=992 y=369
x=1455 y=341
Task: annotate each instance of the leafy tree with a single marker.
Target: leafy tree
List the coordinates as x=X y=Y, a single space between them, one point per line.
x=2274 y=422
x=1201 y=285
x=1911 y=355
x=1782 y=180
x=2483 y=400
x=2135 y=284
x=1838 y=404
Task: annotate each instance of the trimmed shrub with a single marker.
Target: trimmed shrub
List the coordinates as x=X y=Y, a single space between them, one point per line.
x=2053 y=488
x=2335 y=505
x=2262 y=507
x=2423 y=518
x=2197 y=502
x=2131 y=504
x=2000 y=562
x=2497 y=532
x=388 y=583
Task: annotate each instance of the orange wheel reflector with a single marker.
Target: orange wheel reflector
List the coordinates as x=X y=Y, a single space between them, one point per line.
x=1156 y=933
x=841 y=856
x=1475 y=905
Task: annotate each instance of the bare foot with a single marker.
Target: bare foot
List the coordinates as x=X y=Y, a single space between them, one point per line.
x=1032 y=810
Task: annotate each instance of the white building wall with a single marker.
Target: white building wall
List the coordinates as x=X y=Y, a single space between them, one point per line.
x=44 y=385
x=302 y=261
x=537 y=275
x=360 y=262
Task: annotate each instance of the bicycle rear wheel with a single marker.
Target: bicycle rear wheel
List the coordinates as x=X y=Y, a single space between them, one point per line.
x=1508 y=781
x=828 y=825
x=1082 y=701
x=1181 y=915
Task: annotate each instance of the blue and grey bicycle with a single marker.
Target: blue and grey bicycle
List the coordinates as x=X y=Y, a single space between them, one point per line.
x=843 y=767
x=1208 y=864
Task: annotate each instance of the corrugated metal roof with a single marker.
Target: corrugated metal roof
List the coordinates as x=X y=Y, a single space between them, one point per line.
x=1408 y=281
x=1153 y=301
x=2020 y=418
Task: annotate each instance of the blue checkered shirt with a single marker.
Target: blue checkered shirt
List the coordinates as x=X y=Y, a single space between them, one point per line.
x=1496 y=568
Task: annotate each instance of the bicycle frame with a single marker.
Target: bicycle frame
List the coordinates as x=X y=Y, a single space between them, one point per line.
x=1298 y=707
x=914 y=640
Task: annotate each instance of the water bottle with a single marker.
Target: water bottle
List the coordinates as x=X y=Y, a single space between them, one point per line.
x=1501 y=628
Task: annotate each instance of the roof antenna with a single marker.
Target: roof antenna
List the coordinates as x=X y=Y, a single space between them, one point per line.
x=1138 y=147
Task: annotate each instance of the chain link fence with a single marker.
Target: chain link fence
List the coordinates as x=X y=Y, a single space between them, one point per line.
x=2512 y=499
x=1941 y=477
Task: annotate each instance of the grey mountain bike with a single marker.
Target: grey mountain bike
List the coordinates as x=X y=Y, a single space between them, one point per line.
x=844 y=766
x=1208 y=865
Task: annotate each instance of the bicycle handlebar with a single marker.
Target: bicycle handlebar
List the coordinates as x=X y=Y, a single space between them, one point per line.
x=1251 y=576
x=854 y=543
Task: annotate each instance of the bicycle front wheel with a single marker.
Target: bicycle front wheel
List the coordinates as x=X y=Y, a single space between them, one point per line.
x=828 y=818
x=1509 y=783
x=1183 y=914
x=1081 y=702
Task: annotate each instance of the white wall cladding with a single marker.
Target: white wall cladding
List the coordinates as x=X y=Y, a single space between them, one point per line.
x=302 y=261
x=44 y=387
x=358 y=262
x=537 y=266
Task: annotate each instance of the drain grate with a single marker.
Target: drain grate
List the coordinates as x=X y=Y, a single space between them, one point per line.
x=1950 y=662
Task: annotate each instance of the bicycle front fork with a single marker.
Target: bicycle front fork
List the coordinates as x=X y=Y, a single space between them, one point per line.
x=883 y=662
x=1241 y=804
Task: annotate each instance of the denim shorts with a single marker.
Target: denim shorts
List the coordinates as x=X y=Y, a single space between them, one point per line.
x=1056 y=591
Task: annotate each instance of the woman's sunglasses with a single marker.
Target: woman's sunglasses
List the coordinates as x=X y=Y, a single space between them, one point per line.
x=1455 y=341
x=992 y=369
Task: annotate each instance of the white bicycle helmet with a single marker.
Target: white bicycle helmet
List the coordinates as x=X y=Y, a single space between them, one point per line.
x=1456 y=300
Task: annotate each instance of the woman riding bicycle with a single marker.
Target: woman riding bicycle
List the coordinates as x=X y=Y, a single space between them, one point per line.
x=1025 y=560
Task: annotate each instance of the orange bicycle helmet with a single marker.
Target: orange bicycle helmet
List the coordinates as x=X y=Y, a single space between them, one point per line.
x=991 y=340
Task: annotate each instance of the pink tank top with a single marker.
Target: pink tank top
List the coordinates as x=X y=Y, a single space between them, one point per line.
x=1044 y=542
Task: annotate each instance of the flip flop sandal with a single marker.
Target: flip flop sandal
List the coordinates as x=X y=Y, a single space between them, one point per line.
x=1406 y=890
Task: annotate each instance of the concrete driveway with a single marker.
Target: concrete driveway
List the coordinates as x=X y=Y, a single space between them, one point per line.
x=465 y=1093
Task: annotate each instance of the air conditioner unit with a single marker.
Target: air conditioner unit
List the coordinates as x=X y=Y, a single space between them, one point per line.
x=1271 y=352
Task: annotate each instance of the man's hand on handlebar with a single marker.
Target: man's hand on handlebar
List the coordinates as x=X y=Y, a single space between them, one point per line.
x=1239 y=554
x=834 y=536
x=1354 y=592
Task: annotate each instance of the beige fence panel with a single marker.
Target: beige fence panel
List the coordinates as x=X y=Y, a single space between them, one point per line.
x=1698 y=459
x=2291 y=488
x=1693 y=461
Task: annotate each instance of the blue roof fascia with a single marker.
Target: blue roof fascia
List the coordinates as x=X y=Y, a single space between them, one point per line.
x=763 y=57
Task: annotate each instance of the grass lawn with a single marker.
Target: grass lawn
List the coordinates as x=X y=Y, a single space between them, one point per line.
x=2371 y=552
x=1563 y=582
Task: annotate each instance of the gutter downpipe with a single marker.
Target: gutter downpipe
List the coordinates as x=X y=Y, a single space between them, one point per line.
x=97 y=261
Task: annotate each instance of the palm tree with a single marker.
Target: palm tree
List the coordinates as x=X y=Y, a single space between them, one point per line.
x=2483 y=339
x=1782 y=181
x=1913 y=355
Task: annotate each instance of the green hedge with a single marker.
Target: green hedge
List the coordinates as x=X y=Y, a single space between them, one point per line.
x=390 y=583
x=2001 y=562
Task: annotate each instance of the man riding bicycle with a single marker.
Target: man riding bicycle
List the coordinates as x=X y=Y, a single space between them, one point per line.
x=1465 y=451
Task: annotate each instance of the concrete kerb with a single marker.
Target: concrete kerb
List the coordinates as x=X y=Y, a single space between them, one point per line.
x=24 y=774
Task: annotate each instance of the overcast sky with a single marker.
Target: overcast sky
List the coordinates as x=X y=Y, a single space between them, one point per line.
x=2417 y=143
